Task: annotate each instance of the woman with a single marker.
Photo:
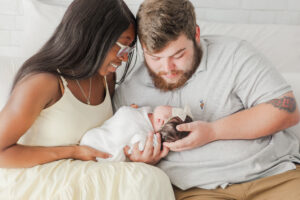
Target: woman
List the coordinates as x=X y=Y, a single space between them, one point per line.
x=60 y=93
x=61 y=80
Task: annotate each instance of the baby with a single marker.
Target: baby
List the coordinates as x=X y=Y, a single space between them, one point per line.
x=131 y=125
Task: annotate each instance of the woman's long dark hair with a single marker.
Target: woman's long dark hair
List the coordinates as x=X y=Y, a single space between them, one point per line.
x=82 y=40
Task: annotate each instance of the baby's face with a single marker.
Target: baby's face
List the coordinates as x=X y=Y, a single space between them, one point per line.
x=160 y=115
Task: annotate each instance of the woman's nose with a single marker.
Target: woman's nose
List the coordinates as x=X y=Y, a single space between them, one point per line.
x=124 y=57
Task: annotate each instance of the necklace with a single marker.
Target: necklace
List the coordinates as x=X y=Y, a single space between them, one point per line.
x=82 y=91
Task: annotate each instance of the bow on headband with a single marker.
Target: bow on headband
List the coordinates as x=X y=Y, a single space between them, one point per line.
x=181 y=113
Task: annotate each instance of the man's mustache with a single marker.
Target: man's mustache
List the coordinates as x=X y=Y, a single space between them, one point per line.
x=161 y=73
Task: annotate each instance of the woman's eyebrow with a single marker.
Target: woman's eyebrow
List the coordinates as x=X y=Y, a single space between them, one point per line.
x=125 y=37
x=128 y=39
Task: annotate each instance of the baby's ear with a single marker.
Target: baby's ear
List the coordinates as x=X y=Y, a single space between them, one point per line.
x=160 y=122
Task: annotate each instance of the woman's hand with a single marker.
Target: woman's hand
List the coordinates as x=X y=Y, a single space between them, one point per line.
x=200 y=134
x=86 y=153
x=150 y=155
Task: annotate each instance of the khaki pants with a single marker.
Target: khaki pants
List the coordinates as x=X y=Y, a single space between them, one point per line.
x=285 y=186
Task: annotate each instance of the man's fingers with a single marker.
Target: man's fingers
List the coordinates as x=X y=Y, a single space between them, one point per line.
x=149 y=145
x=179 y=149
x=164 y=152
x=158 y=145
x=178 y=145
x=185 y=127
x=135 y=148
x=126 y=149
x=174 y=145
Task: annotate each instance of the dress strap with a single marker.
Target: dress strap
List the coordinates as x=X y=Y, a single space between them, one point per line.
x=65 y=83
x=106 y=85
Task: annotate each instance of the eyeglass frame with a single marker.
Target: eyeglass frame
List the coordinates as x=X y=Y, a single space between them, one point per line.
x=124 y=49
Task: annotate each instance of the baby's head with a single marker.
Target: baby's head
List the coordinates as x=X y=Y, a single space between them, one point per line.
x=160 y=115
x=165 y=120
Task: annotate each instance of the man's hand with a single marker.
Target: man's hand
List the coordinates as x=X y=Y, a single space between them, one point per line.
x=200 y=134
x=150 y=155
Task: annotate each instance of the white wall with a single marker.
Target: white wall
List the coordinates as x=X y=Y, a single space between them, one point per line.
x=233 y=11
x=11 y=13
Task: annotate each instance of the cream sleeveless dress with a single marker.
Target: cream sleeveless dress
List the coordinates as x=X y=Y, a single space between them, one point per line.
x=64 y=123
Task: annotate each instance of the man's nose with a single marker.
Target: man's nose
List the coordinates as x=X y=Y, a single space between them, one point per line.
x=170 y=65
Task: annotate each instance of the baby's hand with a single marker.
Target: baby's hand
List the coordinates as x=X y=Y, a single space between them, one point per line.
x=134 y=106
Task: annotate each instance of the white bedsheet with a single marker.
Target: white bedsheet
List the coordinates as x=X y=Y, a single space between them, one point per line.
x=70 y=179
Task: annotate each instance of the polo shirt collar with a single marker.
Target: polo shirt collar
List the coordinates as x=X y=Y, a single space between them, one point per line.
x=203 y=63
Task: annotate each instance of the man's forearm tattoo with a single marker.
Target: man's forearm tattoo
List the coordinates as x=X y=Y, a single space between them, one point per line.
x=285 y=103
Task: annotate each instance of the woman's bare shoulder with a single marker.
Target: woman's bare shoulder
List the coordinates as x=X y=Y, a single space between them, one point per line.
x=40 y=88
x=42 y=77
x=28 y=98
x=45 y=81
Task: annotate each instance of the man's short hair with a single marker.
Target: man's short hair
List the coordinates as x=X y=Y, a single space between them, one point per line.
x=163 y=21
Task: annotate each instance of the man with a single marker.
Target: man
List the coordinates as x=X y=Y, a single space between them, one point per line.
x=238 y=146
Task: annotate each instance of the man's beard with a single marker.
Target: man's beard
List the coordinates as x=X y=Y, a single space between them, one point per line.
x=161 y=84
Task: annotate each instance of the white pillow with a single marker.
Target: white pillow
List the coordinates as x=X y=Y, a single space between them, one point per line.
x=279 y=43
x=41 y=17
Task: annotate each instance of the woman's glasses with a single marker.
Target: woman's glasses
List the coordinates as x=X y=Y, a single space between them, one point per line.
x=124 y=50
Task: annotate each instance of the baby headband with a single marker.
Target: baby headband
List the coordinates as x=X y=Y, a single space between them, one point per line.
x=181 y=113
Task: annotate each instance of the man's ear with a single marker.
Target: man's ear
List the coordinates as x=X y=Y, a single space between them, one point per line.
x=197 y=35
x=144 y=48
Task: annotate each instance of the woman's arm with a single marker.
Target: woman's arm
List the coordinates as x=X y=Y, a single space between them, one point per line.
x=28 y=99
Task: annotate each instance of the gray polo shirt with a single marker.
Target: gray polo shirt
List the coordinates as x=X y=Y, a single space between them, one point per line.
x=231 y=77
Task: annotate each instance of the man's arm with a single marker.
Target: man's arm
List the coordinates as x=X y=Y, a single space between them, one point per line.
x=259 y=121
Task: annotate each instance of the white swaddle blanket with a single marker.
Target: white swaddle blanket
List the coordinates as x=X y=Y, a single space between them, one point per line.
x=126 y=127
